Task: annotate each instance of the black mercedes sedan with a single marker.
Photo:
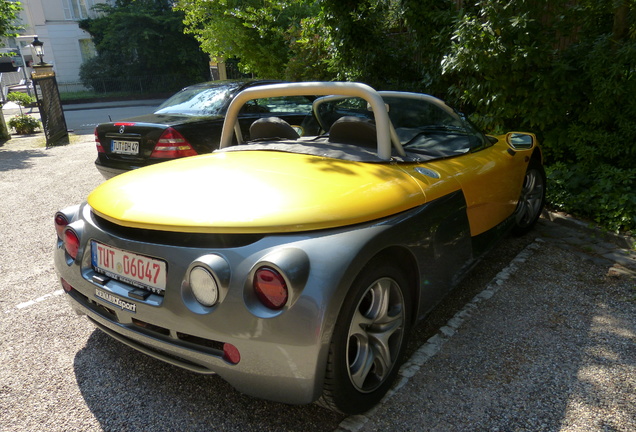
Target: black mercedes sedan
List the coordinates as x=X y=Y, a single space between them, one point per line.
x=187 y=124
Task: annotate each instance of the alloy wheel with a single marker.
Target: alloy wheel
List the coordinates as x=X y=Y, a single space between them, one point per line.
x=375 y=335
x=531 y=199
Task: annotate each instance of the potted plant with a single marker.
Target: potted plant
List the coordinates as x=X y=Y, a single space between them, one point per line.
x=24 y=124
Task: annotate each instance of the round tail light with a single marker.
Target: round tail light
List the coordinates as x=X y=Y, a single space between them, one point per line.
x=270 y=288
x=71 y=242
x=60 y=223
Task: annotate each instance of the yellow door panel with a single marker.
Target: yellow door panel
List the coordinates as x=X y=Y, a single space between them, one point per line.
x=491 y=180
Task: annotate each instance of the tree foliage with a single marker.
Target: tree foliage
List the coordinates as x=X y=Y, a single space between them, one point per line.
x=388 y=43
x=9 y=24
x=139 y=38
x=256 y=31
x=355 y=29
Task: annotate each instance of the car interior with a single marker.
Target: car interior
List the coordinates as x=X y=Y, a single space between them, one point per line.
x=426 y=128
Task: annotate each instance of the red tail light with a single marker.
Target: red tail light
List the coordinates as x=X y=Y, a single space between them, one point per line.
x=172 y=144
x=98 y=143
x=71 y=243
x=270 y=288
x=60 y=223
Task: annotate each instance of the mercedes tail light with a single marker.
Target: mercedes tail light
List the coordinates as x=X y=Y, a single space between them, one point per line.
x=270 y=288
x=172 y=144
x=98 y=143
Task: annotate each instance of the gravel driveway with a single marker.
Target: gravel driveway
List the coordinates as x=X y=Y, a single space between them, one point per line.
x=553 y=349
x=549 y=345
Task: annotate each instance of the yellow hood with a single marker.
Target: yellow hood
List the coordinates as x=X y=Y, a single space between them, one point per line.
x=255 y=192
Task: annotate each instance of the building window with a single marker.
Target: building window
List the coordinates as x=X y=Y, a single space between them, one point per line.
x=77 y=9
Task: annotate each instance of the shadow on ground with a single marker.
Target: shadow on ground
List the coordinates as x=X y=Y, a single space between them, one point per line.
x=127 y=390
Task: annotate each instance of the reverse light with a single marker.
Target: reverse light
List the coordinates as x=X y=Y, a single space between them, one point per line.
x=204 y=286
x=270 y=288
x=98 y=143
x=71 y=242
x=60 y=223
x=231 y=353
x=172 y=144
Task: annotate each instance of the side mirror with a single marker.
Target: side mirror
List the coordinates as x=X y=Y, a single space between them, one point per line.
x=520 y=140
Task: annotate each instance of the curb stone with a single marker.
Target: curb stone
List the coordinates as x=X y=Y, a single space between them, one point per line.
x=623 y=241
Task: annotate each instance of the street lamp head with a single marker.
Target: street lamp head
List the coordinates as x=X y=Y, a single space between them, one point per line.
x=37 y=46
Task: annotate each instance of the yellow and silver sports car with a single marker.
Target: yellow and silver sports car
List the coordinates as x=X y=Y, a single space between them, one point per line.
x=294 y=265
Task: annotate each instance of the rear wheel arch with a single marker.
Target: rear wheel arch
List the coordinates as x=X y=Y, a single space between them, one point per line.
x=371 y=332
x=532 y=199
x=406 y=263
x=537 y=156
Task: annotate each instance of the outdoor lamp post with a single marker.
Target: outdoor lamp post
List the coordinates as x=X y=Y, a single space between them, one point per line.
x=48 y=97
x=39 y=51
x=42 y=68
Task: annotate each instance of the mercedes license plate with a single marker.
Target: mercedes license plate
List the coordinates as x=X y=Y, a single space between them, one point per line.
x=137 y=270
x=125 y=147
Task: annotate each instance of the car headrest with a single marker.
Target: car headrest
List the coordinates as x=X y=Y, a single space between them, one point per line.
x=354 y=130
x=271 y=128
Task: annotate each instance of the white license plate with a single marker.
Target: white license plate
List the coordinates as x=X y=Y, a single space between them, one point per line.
x=136 y=270
x=125 y=147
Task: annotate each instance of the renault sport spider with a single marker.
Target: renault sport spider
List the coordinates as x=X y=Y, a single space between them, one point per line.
x=294 y=264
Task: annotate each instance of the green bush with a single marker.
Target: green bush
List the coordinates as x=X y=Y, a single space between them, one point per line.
x=604 y=194
x=24 y=124
x=21 y=99
x=567 y=75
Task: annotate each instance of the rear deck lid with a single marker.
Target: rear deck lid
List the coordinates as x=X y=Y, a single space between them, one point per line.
x=255 y=192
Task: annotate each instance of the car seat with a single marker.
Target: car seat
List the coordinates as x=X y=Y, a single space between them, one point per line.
x=269 y=128
x=354 y=130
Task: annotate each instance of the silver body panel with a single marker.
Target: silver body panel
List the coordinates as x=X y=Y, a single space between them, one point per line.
x=283 y=353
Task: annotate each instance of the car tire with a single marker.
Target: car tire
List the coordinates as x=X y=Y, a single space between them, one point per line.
x=369 y=340
x=531 y=200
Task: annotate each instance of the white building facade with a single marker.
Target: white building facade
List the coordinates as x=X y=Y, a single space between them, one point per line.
x=66 y=46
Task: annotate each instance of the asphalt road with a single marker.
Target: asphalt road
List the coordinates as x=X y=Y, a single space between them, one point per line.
x=59 y=373
x=81 y=119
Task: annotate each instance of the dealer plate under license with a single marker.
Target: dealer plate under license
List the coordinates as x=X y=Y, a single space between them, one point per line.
x=125 y=147
x=137 y=270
